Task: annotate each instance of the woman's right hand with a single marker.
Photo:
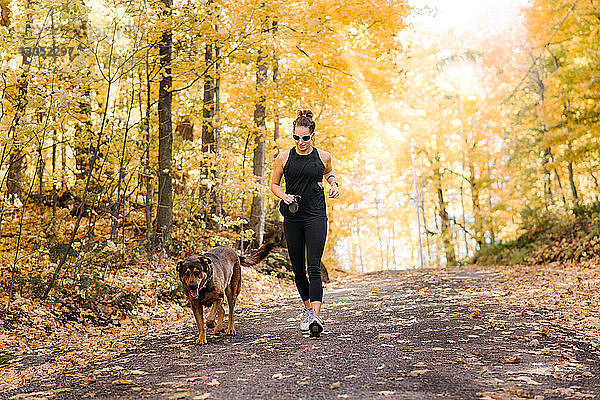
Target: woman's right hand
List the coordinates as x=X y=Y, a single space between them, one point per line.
x=288 y=199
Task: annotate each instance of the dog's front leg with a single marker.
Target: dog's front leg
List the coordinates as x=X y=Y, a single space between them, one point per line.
x=198 y=314
x=212 y=316
x=220 y=315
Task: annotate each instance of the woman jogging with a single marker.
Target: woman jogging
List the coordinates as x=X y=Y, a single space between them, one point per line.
x=305 y=215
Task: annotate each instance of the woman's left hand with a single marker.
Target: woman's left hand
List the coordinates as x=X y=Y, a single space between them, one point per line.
x=333 y=191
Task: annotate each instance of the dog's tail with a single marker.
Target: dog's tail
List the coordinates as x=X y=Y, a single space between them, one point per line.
x=257 y=256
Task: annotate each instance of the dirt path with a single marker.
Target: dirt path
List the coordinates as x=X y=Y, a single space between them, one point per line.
x=394 y=335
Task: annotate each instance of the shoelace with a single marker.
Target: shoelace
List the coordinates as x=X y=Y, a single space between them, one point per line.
x=306 y=316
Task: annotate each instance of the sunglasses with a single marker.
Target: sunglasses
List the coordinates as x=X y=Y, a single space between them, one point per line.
x=305 y=138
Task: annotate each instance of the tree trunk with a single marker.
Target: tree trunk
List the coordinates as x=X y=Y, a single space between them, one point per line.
x=63 y=161
x=208 y=111
x=147 y=176
x=119 y=210
x=16 y=168
x=462 y=175
x=84 y=139
x=276 y=133
x=558 y=181
x=491 y=216
x=164 y=213
x=566 y=114
x=209 y=143
x=445 y=223
x=572 y=183
x=257 y=214
x=217 y=132
x=83 y=146
x=562 y=193
x=478 y=224
x=424 y=217
x=40 y=172
x=54 y=191
x=596 y=184
x=4 y=14
x=380 y=240
x=547 y=152
x=17 y=162
x=360 y=254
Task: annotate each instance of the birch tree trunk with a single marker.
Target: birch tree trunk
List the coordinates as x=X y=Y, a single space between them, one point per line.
x=546 y=159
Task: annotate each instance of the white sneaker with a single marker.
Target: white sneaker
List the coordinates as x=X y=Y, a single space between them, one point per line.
x=315 y=326
x=306 y=319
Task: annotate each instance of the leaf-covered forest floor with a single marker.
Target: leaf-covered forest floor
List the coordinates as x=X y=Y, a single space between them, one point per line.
x=40 y=339
x=469 y=333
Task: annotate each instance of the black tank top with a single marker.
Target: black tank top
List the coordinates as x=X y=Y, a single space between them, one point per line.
x=303 y=173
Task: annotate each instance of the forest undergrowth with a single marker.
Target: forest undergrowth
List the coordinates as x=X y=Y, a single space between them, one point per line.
x=554 y=264
x=548 y=237
x=108 y=295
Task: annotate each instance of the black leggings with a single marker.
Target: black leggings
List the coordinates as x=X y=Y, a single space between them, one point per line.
x=307 y=236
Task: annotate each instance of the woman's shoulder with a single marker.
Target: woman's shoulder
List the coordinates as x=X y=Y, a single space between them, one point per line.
x=283 y=157
x=325 y=156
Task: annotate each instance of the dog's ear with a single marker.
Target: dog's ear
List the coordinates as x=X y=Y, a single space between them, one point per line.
x=180 y=267
x=206 y=263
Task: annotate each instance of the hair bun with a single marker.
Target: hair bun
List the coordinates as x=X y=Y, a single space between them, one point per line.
x=305 y=113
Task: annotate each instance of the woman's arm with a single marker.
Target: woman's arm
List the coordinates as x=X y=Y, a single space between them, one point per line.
x=276 y=180
x=329 y=174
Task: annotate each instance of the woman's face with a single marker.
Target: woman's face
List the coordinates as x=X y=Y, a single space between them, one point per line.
x=302 y=132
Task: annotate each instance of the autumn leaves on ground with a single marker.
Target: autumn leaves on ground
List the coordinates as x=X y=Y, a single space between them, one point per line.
x=459 y=333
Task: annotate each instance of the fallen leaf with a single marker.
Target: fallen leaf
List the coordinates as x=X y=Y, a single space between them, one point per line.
x=281 y=376
x=418 y=372
x=388 y=335
x=335 y=385
x=545 y=371
x=122 y=382
x=138 y=372
x=525 y=379
x=565 y=391
x=493 y=381
x=512 y=360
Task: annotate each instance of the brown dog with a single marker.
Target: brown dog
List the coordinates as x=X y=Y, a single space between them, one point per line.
x=209 y=276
